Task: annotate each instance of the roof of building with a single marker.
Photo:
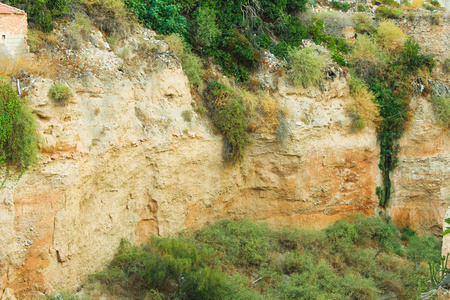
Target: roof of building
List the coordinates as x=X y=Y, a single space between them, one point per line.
x=6 y=9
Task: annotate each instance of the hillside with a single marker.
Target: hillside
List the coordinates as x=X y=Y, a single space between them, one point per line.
x=292 y=114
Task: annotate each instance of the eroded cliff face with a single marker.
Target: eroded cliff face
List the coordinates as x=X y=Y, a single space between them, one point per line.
x=119 y=161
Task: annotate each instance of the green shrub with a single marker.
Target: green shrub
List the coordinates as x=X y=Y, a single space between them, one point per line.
x=335 y=22
x=441 y=106
x=60 y=93
x=305 y=67
x=386 y=12
x=187 y=115
x=207 y=31
x=366 y=57
x=392 y=3
x=290 y=30
x=425 y=248
x=228 y=116
x=428 y=7
x=43 y=12
x=110 y=16
x=160 y=15
x=18 y=138
x=390 y=36
x=413 y=60
x=192 y=64
x=363 y=23
x=361 y=8
x=446 y=66
x=342 y=5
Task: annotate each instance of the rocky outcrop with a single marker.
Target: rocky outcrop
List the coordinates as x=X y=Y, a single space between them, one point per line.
x=119 y=161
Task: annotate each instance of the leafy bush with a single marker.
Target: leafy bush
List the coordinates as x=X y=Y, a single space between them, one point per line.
x=207 y=30
x=342 y=5
x=335 y=22
x=305 y=67
x=43 y=12
x=290 y=30
x=192 y=64
x=110 y=16
x=228 y=116
x=446 y=66
x=390 y=36
x=60 y=93
x=161 y=15
x=413 y=60
x=362 y=106
x=441 y=107
x=424 y=248
x=366 y=57
x=386 y=12
x=363 y=23
x=428 y=7
x=18 y=138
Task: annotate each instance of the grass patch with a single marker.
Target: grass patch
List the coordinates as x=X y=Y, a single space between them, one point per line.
x=390 y=36
x=387 y=12
x=362 y=108
x=441 y=106
x=366 y=57
x=358 y=259
x=305 y=66
x=18 y=138
x=60 y=93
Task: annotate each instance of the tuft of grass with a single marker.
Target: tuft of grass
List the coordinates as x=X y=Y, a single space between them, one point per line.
x=366 y=57
x=441 y=107
x=335 y=22
x=18 y=138
x=363 y=23
x=305 y=66
x=446 y=66
x=60 y=93
x=187 y=115
x=192 y=64
x=387 y=12
x=390 y=36
x=362 y=107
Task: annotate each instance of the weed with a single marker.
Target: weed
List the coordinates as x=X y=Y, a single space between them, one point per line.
x=335 y=22
x=441 y=107
x=341 y=5
x=60 y=93
x=366 y=57
x=18 y=138
x=362 y=106
x=390 y=36
x=187 y=115
x=14 y=67
x=446 y=66
x=110 y=16
x=305 y=66
x=363 y=23
x=200 y=109
x=228 y=116
x=429 y=7
x=386 y=12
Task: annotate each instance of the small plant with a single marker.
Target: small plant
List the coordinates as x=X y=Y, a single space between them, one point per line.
x=361 y=8
x=363 y=23
x=366 y=57
x=200 y=109
x=446 y=66
x=386 y=12
x=335 y=22
x=441 y=107
x=18 y=138
x=362 y=107
x=390 y=36
x=429 y=7
x=110 y=16
x=60 y=93
x=305 y=67
x=187 y=115
x=341 y=5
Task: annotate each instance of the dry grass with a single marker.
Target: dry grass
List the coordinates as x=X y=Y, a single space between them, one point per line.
x=366 y=57
x=362 y=107
x=390 y=36
x=41 y=66
x=271 y=111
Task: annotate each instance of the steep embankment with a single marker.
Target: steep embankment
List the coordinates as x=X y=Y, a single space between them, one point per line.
x=119 y=161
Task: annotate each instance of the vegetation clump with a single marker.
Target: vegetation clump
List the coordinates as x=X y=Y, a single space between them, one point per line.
x=441 y=107
x=18 y=137
x=362 y=258
x=60 y=93
x=306 y=67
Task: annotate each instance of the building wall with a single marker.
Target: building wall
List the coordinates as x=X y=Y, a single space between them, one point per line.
x=13 y=33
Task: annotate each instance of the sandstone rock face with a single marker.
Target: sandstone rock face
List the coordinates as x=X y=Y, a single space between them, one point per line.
x=421 y=181
x=118 y=161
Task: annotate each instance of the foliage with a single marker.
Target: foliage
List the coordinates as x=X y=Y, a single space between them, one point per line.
x=363 y=23
x=446 y=66
x=335 y=22
x=441 y=107
x=413 y=60
x=342 y=5
x=362 y=107
x=110 y=16
x=43 y=12
x=60 y=93
x=305 y=67
x=228 y=116
x=192 y=64
x=357 y=259
x=18 y=138
x=387 y=12
x=187 y=115
x=207 y=31
x=163 y=16
x=366 y=57
x=390 y=36
x=424 y=248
